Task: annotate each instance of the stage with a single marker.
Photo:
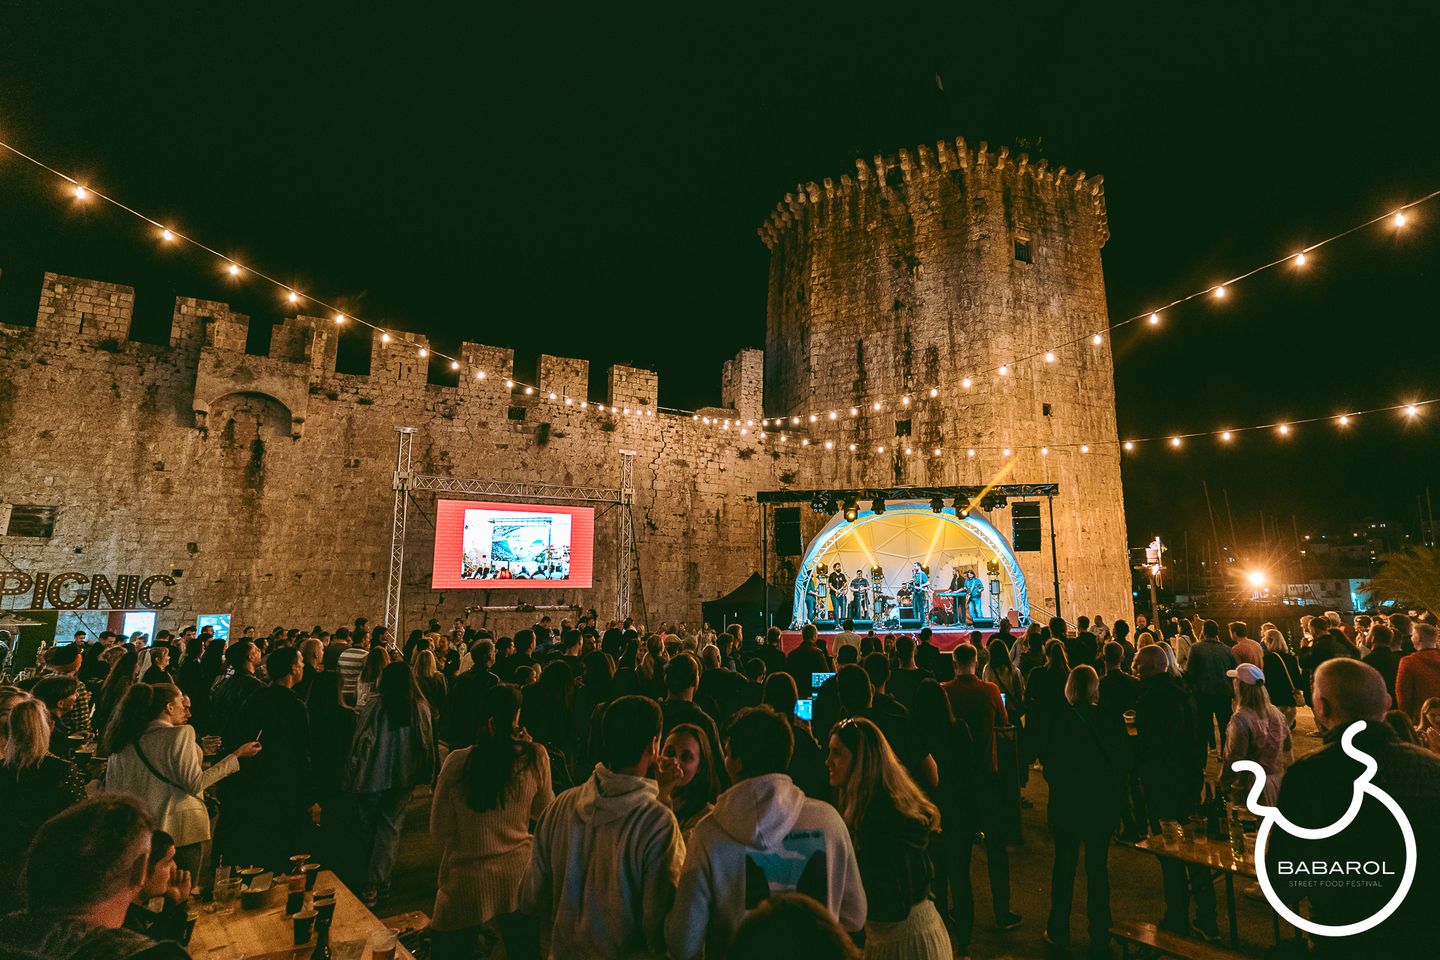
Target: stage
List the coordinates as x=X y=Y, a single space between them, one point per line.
x=946 y=638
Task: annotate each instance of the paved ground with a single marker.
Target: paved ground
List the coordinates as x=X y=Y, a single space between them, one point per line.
x=1134 y=879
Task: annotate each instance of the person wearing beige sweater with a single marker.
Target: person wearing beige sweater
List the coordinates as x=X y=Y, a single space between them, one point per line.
x=485 y=799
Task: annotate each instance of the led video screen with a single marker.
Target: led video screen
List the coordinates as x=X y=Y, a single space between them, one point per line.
x=512 y=546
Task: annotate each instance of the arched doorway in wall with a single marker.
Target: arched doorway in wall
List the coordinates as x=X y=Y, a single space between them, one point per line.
x=882 y=547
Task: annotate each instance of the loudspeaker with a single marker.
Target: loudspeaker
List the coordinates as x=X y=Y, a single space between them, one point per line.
x=787 y=532
x=1025 y=527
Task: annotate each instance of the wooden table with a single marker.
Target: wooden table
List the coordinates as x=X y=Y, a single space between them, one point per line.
x=1214 y=856
x=269 y=933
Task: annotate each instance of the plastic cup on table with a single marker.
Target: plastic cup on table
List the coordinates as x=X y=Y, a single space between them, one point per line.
x=324 y=904
x=295 y=895
x=304 y=926
x=310 y=871
x=382 y=945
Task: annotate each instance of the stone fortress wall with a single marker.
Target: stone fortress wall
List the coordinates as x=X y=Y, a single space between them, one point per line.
x=263 y=483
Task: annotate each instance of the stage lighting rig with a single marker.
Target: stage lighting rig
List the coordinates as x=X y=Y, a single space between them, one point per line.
x=852 y=509
x=937 y=504
x=993 y=501
x=877 y=506
x=824 y=503
x=962 y=505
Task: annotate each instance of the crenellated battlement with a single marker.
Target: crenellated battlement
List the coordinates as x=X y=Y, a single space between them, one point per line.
x=209 y=340
x=888 y=176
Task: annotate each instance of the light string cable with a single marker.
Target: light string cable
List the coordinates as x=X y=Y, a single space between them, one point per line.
x=1397 y=216
x=235 y=269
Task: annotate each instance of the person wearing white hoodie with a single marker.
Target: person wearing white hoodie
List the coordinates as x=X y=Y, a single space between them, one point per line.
x=607 y=853
x=763 y=838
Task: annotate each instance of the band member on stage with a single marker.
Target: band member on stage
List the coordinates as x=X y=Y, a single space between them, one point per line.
x=860 y=597
x=920 y=593
x=838 y=583
x=974 y=589
x=813 y=592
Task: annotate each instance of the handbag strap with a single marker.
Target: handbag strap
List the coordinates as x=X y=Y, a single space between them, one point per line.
x=160 y=776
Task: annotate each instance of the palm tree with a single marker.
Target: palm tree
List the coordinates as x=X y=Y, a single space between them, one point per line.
x=1411 y=576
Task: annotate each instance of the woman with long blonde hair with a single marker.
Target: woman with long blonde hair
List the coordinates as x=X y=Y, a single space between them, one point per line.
x=34 y=785
x=891 y=822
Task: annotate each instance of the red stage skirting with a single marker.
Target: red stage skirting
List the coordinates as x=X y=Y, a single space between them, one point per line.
x=943 y=637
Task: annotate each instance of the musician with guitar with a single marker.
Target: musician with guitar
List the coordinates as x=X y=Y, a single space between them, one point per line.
x=838 y=584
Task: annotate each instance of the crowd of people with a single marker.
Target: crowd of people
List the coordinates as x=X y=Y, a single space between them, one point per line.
x=611 y=791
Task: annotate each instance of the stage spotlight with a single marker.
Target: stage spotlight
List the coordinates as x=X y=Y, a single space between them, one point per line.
x=817 y=504
x=852 y=510
x=877 y=506
x=937 y=504
x=962 y=505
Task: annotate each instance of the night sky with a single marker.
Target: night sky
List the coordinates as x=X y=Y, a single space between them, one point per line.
x=588 y=182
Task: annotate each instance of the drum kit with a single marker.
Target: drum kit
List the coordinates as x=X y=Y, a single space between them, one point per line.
x=887 y=610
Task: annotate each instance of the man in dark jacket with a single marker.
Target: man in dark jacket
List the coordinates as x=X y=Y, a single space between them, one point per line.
x=1170 y=755
x=269 y=804
x=807 y=659
x=1207 y=673
x=1317 y=791
x=231 y=692
x=1086 y=761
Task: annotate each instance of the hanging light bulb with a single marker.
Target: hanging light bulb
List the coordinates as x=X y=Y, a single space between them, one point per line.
x=829 y=444
x=509 y=384
x=552 y=396
x=82 y=194
x=970 y=453
x=293 y=297
x=1049 y=356
x=813 y=418
x=1225 y=436
x=233 y=270
x=852 y=448
x=1005 y=452
x=934 y=392
x=1400 y=219
x=1084 y=448
x=166 y=235
x=1155 y=318
x=854 y=411
x=1220 y=292
x=384 y=338
x=1284 y=429
x=1174 y=441
x=1129 y=445
x=1344 y=421
x=1004 y=370
x=339 y=319
x=424 y=352
x=1300 y=259
x=876 y=405
x=1412 y=410
x=479 y=374
x=833 y=414
x=455 y=365
x=1044 y=451
x=967 y=383
x=1097 y=340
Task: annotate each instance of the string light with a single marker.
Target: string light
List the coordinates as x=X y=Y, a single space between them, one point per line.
x=1129 y=445
x=1155 y=317
x=455 y=365
x=1399 y=218
x=480 y=375
x=934 y=392
x=1044 y=451
x=1225 y=436
x=967 y=383
x=937 y=451
x=1084 y=448
x=833 y=414
x=1284 y=429
x=509 y=384
x=384 y=338
x=339 y=319
x=829 y=444
x=1174 y=441
x=1005 y=452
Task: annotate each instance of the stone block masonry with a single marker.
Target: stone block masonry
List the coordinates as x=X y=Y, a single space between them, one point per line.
x=264 y=483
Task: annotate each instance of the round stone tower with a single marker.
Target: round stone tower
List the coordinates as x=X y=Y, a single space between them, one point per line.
x=944 y=276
